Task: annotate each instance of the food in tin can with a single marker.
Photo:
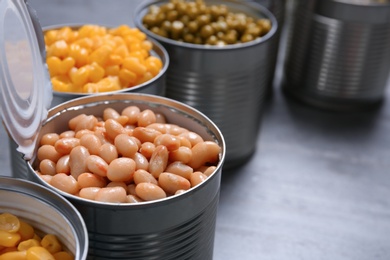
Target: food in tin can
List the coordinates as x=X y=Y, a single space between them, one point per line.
x=200 y=23
x=20 y=240
x=128 y=156
x=94 y=58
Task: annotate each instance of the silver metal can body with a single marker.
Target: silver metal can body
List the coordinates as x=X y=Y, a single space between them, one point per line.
x=47 y=212
x=228 y=83
x=178 y=227
x=339 y=53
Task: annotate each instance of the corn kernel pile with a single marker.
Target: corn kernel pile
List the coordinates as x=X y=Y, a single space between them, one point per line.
x=19 y=240
x=94 y=58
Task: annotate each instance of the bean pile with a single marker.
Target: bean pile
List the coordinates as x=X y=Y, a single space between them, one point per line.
x=125 y=157
x=95 y=59
x=198 y=23
x=19 y=240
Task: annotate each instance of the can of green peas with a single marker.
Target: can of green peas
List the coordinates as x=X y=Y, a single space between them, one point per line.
x=227 y=82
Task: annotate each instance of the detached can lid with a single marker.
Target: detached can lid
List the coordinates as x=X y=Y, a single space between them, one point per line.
x=26 y=90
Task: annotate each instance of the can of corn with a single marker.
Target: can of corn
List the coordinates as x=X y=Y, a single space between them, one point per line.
x=46 y=212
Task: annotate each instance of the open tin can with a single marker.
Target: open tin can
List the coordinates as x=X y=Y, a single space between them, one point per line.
x=178 y=227
x=47 y=212
x=227 y=83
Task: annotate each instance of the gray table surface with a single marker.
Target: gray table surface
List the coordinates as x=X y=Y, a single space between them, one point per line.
x=317 y=187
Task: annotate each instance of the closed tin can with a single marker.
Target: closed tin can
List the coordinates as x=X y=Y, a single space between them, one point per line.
x=339 y=53
x=178 y=227
x=47 y=212
x=228 y=83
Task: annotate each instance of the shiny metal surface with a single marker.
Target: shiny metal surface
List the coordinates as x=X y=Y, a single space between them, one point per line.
x=339 y=53
x=46 y=211
x=178 y=227
x=227 y=84
x=317 y=186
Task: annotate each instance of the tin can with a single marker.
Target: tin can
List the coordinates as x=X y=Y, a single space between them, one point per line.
x=339 y=53
x=155 y=86
x=47 y=212
x=228 y=83
x=178 y=227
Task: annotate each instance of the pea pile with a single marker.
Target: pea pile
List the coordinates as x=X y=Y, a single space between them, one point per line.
x=126 y=156
x=19 y=240
x=94 y=58
x=198 y=23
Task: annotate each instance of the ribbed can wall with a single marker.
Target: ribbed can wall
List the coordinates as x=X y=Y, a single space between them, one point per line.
x=338 y=59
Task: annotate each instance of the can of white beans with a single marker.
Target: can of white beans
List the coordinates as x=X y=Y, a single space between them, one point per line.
x=46 y=212
x=176 y=227
x=228 y=83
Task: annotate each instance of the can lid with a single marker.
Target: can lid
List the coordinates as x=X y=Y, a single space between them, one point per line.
x=26 y=91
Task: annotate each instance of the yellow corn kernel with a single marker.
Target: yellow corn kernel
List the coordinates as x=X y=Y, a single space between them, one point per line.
x=59 y=49
x=26 y=244
x=66 y=65
x=54 y=65
x=100 y=55
x=134 y=65
x=90 y=88
x=137 y=33
x=9 y=239
x=118 y=40
x=38 y=253
x=63 y=256
x=146 y=45
x=156 y=60
x=62 y=83
x=152 y=66
x=146 y=77
x=50 y=37
x=114 y=59
x=51 y=243
x=36 y=237
x=127 y=77
x=79 y=54
x=79 y=77
x=134 y=46
x=14 y=255
x=90 y=30
x=112 y=70
x=96 y=72
x=9 y=222
x=121 y=50
x=66 y=34
x=104 y=85
x=138 y=55
x=85 y=43
x=26 y=231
